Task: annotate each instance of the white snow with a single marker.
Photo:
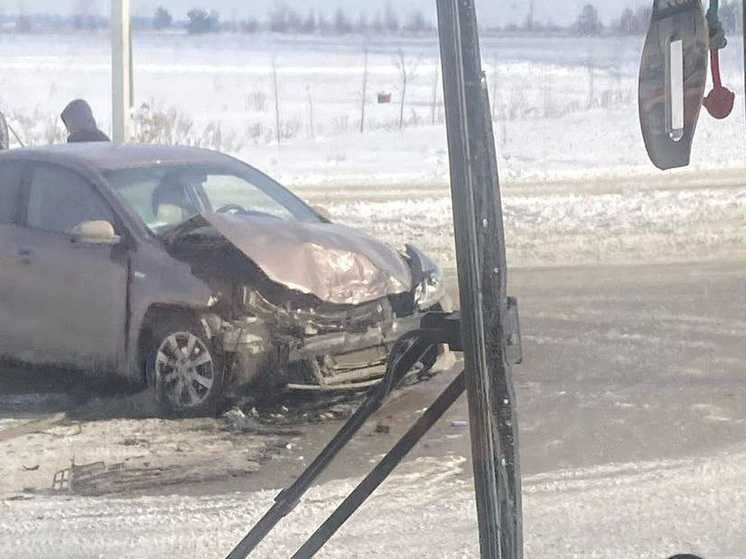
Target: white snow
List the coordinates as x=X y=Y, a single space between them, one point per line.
x=564 y=226
x=565 y=107
x=643 y=510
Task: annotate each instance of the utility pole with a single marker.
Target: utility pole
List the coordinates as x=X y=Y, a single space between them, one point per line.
x=482 y=274
x=743 y=40
x=121 y=71
x=365 y=90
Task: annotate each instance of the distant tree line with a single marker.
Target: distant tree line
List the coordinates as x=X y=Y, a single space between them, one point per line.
x=637 y=22
x=283 y=18
x=28 y=23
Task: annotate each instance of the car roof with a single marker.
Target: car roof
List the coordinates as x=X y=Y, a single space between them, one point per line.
x=105 y=155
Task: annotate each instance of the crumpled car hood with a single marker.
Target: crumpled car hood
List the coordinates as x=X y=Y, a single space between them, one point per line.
x=334 y=263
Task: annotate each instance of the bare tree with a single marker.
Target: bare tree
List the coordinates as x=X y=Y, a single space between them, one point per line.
x=162 y=18
x=365 y=91
x=417 y=24
x=588 y=23
x=362 y=24
x=377 y=25
x=590 y=67
x=493 y=101
x=200 y=21
x=436 y=81
x=278 y=18
x=276 y=92
x=309 y=24
x=342 y=24
x=407 y=74
x=309 y=103
x=391 y=20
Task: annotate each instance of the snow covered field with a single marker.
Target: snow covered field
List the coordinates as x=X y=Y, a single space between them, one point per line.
x=565 y=105
x=640 y=511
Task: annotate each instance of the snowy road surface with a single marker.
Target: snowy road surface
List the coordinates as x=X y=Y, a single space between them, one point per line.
x=640 y=511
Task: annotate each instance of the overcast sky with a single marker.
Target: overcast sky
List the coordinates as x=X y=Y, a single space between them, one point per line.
x=491 y=11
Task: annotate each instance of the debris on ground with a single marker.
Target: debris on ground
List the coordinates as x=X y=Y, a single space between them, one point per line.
x=294 y=409
x=383 y=429
x=31 y=427
x=238 y=421
x=121 y=445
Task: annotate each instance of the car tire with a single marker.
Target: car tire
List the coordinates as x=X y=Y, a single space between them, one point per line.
x=182 y=367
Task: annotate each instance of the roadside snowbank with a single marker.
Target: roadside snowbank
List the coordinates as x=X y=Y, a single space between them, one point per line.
x=562 y=225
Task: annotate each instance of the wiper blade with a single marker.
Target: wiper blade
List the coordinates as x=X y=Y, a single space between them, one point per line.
x=170 y=235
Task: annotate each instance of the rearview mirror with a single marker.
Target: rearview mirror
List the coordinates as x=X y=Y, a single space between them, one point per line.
x=4 y=133
x=96 y=232
x=673 y=74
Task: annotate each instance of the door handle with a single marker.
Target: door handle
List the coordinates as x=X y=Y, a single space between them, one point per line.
x=24 y=256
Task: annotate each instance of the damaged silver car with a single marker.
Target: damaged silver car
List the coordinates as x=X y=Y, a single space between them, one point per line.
x=196 y=273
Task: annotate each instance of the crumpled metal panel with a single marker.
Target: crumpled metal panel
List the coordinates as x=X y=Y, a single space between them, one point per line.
x=334 y=263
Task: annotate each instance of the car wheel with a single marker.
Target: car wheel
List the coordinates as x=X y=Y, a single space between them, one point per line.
x=186 y=374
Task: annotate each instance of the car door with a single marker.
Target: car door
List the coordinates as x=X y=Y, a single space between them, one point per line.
x=11 y=183
x=70 y=304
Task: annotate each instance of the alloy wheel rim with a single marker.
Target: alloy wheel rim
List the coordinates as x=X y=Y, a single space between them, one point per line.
x=184 y=370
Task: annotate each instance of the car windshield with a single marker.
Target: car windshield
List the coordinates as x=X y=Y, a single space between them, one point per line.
x=164 y=196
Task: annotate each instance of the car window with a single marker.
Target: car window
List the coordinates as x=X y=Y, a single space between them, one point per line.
x=164 y=196
x=225 y=191
x=11 y=178
x=137 y=192
x=60 y=200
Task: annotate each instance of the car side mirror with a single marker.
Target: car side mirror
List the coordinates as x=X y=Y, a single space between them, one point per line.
x=673 y=75
x=96 y=232
x=4 y=133
x=322 y=212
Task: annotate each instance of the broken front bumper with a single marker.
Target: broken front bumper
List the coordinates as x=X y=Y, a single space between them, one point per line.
x=349 y=342
x=343 y=359
x=255 y=349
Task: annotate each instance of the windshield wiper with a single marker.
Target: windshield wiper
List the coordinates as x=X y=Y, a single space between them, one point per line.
x=185 y=227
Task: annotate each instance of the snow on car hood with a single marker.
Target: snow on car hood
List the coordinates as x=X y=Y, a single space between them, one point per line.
x=336 y=264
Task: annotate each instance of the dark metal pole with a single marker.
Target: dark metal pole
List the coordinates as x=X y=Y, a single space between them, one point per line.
x=399 y=365
x=480 y=251
x=383 y=469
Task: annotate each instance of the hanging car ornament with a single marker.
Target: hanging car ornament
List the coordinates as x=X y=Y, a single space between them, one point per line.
x=719 y=103
x=673 y=74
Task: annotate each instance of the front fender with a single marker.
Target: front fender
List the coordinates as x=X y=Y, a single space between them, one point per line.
x=159 y=280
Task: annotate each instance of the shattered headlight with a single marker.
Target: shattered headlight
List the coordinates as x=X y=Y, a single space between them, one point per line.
x=430 y=290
